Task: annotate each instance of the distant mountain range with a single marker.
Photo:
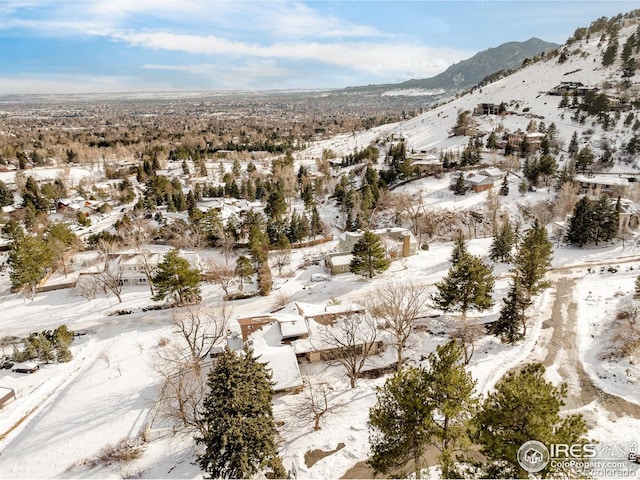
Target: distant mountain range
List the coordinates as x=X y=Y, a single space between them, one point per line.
x=468 y=73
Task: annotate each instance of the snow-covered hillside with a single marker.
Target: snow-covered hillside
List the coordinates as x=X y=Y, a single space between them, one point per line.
x=524 y=92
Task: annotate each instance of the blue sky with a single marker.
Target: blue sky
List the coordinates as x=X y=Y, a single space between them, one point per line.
x=81 y=46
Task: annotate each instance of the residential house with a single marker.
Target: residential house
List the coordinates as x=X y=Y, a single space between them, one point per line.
x=629 y=218
x=131 y=267
x=487 y=109
x=337 y=263
x=533 y=140
x=425 y=164
x=294 y=334
x=571 y=88
x=611 y=185
x=492 y=172
x=400 y=241
x=328 y=314
x=479 y=183
x=474 y=181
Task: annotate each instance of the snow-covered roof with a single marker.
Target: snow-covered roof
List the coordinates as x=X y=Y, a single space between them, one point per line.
x=602 y=180
x=312 y=309
x=283 y=364
x=491 y=172
x=341 y=259
x=292 y=326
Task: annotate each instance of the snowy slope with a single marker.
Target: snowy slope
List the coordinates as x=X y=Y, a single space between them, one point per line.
x=527 y=88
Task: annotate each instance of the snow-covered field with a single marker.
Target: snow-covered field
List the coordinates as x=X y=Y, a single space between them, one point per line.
x=65 y=414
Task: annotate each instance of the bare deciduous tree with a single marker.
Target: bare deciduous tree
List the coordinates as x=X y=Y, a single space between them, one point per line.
x=412 y=208
x=226 y=240
x=147 y=266
x=110 y=279
x=281 y=299
x=565 y=200
x=625 y=331
x=467 y=334
x=138 y=233
x=183 y=388
x=351 y=340
x=399 y=304
x=86 y=286
x=220 y=274
x=197 y=329
x=195 y=239
x=492 y=206
x=315 y=402
x=281 y=258
x=105 y=248
x=200 y=327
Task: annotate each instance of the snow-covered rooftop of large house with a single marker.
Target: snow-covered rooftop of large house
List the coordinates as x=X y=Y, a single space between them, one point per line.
x=292 y=326
x=283 y=364
x=280 y=359
x=603 y=179
x=313 y=310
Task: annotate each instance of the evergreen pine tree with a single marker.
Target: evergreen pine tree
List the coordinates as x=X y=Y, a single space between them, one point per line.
x=593 y=221
x=468 y=285
x=29 y=259
x=177 y=280
x=31 y=195
x=573 y=145
x=244 y=270
x=460 y=187
x=258 y=239
x=500 y=432
x=503 y=242
x=450 y=389
x=6 y=195
x=459 y=248
x=636 y=291
x=606 y=219
x=400 y=425
x=610 y=53
x=240 y=433
x=524 y=186
x=504 y=188
x=369 y=257
x=510 y=323
x=492 y=141
x=533 y=259
x=580 y=227
x=421 y=406
x=276 y=204
x=584 y=159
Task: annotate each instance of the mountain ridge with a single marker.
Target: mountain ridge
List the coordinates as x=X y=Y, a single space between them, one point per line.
x=468 y=73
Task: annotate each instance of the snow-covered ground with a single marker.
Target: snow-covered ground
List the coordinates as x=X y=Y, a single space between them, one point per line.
x=66 y=413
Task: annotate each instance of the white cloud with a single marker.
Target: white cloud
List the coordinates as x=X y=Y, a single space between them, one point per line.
x=371 y=57
x=275 y=19
x=285 y=19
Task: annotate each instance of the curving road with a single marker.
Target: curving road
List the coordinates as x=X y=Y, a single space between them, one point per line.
x=562 y=350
